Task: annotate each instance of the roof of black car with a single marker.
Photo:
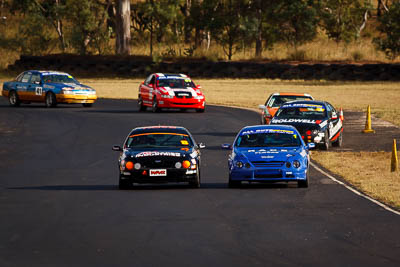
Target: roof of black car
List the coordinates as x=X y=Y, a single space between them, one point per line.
x=160 y=129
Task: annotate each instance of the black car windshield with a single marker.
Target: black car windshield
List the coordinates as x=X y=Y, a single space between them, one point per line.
x=159 y=140
x=59 y=78
x=176 y=83
x=279 y=100
x=301 y=112
x=277 y=139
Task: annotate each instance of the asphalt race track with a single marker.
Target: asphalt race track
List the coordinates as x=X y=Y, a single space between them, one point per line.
x=60 y=204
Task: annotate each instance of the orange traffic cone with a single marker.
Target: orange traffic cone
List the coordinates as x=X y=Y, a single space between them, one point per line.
x=341 y=117
x=394 y=163
x=368 y=128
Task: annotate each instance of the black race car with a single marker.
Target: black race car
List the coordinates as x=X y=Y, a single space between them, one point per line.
x=317 y=121
x=159 y=154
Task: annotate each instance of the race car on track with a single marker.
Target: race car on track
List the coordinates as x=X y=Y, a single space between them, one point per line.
x=268 y=153
x=170 y=91
x=317 y=121
x=159 y=154
x=50 y=87
x=275 y=100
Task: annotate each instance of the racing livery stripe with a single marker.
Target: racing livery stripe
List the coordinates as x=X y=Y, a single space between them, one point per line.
x=337 y=135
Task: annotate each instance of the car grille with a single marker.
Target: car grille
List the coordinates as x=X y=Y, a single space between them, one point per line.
x=180 y=94
x=184 y=104
x=263 y=163
x=274 y=173
x=268 y=175
x=155 y=162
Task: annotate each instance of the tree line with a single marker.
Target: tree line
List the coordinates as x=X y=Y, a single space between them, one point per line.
x=90 y=26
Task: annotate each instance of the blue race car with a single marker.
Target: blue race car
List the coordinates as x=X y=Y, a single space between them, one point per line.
x=269 y=153
x=50 y=87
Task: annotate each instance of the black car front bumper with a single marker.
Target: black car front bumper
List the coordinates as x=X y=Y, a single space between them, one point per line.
x=173 y=175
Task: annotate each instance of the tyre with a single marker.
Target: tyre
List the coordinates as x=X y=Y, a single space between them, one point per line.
x=50 y=100
x=303 y=183
x=339 y=141
x=155 y=107
x=87 y=105
x=200 y=110
x=327 y=142
x=233 y=184
x=140 y=104
x=123 y=184
x=195 y=183
x=13 y=99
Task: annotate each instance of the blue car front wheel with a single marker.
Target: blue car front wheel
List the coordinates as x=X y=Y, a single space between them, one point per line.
x=233 y=184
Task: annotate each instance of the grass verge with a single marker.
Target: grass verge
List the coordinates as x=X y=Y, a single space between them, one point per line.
x=371 y=174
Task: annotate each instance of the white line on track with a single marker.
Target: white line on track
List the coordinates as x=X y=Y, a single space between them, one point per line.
x=355 y=191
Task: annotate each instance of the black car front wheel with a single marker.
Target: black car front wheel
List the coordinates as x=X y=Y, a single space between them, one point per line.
x=195 y=183
x=327 y=142
x=87 y=105
x=339 y=141
x=13 y=99
x=124 y=184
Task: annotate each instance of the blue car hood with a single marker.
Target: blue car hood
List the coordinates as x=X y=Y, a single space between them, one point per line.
x=269 y=153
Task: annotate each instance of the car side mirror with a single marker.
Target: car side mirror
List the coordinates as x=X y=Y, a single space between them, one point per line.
x=201 y=145
x=226 y=146
x=311 y=145
x=116 y=148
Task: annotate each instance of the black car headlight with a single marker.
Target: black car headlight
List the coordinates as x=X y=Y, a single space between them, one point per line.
x=137 y=166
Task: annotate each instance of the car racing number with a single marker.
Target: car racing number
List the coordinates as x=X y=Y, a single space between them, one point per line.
x=39 y=90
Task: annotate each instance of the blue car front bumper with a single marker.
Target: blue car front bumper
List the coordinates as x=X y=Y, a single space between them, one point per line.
x=267 y=174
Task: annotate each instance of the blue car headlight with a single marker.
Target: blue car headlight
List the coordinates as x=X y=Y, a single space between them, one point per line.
x=239 y=164
x=296 y=164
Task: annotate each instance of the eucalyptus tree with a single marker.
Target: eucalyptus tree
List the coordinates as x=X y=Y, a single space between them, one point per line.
x=298 y=21
x=389 y=27
x=343 y=20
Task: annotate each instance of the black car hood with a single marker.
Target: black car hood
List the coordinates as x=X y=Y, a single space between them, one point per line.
x=147 y=153
x=302 y=125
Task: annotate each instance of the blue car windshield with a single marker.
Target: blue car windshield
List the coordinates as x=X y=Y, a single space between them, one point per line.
x=159 y=140
x=268 y=140
x=175 y=83
x=301 y=112
x=59 y=78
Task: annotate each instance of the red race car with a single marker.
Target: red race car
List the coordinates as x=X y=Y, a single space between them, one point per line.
x=170 y=91
x=275 y=100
